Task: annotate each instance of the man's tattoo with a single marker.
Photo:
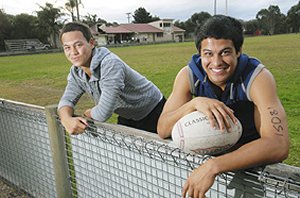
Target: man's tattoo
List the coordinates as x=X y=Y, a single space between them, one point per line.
x=276 y=121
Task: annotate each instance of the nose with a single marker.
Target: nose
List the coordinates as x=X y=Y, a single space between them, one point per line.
x=217 y=60
x=73 y=50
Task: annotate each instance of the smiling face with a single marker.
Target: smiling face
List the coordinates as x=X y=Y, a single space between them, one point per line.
x=77 y=49
x=219 y=60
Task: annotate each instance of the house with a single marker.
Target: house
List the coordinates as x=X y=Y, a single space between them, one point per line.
x=157 y=31
x=170 y=31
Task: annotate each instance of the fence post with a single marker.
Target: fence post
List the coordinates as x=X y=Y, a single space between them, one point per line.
x=59 y=156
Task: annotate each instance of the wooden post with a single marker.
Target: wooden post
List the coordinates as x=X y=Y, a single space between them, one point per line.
x=59 y=156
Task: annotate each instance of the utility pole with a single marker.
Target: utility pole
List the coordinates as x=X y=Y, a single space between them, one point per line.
x=128 y=16
x=215 y=7
x=226 y=7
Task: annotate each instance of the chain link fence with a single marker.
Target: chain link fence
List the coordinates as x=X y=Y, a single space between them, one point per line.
x=39 y=158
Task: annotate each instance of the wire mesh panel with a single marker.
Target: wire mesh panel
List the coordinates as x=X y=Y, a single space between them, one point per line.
x=24 y=149
x=114 y=161
x=115 y=165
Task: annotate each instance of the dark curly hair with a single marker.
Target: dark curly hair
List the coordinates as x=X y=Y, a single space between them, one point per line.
x=220 y=27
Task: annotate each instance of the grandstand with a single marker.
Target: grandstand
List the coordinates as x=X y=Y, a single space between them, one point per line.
x=25 y=45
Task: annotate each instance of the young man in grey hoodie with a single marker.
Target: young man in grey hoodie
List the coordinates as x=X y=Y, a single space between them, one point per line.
x=113 y=85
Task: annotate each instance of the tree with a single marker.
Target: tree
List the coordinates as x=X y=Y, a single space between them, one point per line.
x=92 y=19
x=26 y=27
x=293 y=18
x=70 y=7
x=77 y=3
x=196 y=20
x=142 y=16
x=251 y=27
x=270 y=19
x=180 y=24
x=49 y=24
x=6 y=27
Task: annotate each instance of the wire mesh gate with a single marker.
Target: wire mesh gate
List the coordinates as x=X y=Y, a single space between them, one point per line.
x=113 y=161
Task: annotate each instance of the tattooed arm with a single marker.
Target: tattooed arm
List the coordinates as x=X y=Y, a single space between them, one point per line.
x=270 y=116
x=272 y=147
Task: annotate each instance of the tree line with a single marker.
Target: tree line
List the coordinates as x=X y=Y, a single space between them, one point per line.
x=46 y=24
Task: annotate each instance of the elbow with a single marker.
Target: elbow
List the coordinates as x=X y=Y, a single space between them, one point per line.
x=284 y=154
x=99 y=115
x=162 y=130
x=282 y=151
x=163 y=135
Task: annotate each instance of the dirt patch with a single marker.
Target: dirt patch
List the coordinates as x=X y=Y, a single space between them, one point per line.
x=7 y=190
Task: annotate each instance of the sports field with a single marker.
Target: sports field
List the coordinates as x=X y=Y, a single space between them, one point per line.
x=40 y=79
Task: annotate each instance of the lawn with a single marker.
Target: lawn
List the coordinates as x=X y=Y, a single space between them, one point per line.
x=40 y=79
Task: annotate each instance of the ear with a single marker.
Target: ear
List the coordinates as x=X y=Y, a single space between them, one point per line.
x=241 y=51
x=92 y=42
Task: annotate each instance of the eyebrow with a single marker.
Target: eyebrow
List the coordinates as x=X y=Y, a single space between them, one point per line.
x=226 y=48
x=76 y=42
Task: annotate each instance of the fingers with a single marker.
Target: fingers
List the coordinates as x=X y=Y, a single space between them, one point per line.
x=83 y=121
x=212 y=120
x=220 y=113
x=185 y=189
x=191 y=192
x=75 y=125
x=220 y=116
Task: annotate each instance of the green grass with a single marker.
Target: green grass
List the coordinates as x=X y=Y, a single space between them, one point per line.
x=40 y=79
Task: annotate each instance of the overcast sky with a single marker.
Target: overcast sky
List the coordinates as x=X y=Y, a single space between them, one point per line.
x=115 y=10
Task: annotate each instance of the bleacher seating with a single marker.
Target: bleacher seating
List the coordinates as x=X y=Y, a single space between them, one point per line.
x=24 y=44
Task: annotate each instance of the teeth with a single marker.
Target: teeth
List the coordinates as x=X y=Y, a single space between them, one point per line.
x=217 y=70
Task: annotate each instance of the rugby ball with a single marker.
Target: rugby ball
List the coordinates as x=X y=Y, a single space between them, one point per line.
x=194 y=133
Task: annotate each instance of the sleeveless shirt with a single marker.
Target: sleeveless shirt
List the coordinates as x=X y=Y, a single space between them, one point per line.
x=236 y=94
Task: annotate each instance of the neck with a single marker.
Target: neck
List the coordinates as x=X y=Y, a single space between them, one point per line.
x=87 y=71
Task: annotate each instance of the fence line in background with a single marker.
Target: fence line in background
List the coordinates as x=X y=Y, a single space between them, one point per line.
x=113 y=161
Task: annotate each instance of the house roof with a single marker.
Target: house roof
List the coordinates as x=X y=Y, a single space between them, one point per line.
x=177 y=29
x=116 y=29
x=140 y=27
x=136 y=28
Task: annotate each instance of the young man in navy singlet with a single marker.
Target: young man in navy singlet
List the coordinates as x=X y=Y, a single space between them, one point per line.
x=224 y=84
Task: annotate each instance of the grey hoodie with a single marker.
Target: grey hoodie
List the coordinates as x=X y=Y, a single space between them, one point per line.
x=114 y=87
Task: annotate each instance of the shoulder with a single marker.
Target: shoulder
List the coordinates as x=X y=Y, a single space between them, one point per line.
x=263 y=87
x=264 y=79
x=182 y=80
x=183 y=74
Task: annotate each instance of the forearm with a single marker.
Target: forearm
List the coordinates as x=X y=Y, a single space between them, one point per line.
x=65 y=112
x=73 y=125
x=107 y=103
x=168 y=119
x=259 y=152
x=212 y=108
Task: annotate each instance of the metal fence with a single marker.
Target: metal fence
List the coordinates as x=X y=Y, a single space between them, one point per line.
x=25 y=153
x=113 y=161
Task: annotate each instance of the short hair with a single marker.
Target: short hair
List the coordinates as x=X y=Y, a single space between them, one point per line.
x=77 y=26
x=220 y=27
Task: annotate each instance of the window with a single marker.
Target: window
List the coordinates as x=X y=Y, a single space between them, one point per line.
x=160 y=34
x=167 y=24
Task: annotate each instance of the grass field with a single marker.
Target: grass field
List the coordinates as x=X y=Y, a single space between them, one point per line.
x=40 y=79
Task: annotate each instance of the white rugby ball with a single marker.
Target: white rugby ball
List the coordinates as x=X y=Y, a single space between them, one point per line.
x=194 y=133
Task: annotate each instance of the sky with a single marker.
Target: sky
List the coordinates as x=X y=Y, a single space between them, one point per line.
x=116 y=10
